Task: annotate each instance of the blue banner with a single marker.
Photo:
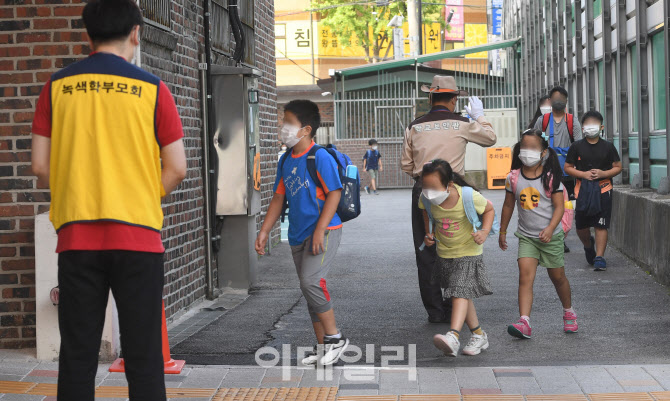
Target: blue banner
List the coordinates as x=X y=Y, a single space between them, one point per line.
x=496 y=18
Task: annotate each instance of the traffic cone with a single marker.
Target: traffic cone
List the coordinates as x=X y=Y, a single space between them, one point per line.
x=170 y=365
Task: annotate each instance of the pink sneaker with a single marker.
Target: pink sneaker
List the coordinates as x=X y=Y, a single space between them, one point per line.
x=520 y=329
x=570 y=322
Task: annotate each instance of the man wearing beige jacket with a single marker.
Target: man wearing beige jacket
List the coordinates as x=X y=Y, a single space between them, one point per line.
x=440 y=134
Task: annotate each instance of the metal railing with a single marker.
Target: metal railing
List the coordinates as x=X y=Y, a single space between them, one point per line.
x=157 y=11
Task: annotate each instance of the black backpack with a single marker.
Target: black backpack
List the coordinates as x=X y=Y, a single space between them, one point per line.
x=350 y=202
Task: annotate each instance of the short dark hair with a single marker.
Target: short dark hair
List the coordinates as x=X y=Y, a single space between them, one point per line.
x=108 y=20
x=442 y=97
x=372 y=142
x=560 y=90
x=593 y=114
x=307 y=112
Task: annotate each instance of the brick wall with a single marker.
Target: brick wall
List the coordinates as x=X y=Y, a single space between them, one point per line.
x=37 y=40
x=265 y=59
x=174 y=58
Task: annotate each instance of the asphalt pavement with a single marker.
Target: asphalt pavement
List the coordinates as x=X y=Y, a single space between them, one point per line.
x=624 y=315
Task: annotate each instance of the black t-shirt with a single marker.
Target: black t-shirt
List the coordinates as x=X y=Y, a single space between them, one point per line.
x=586 y=156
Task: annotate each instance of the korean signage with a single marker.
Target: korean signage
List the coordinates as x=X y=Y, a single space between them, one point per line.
x=294 y=39
x=496 y=17
x=455 y=30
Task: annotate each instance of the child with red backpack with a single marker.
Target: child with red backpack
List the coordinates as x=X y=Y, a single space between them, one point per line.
x=545 y=215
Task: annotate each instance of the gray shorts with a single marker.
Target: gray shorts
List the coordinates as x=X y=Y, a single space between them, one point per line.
x=313 y=269
x=373 y=174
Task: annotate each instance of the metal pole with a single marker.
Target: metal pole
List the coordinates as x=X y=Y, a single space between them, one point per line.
x=624 y=128
x=666 y=31
x=414 y=28
x=205 y=178
x=554 y=42
x=643 y=93
x=590 y=54
x=579 y=56
x=311 y=42
x=570 y=56
x=607 y=60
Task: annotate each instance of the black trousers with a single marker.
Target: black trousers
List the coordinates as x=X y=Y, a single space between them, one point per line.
x=431 y=293
x=136 y=281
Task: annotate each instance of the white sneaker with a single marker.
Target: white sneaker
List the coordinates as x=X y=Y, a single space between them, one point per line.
x=333 y=349
x=311 y=358
x=476 y=344
x=448 y=343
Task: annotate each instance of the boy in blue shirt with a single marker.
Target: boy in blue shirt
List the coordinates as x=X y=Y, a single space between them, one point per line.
x=372 y=163
x=315 y=229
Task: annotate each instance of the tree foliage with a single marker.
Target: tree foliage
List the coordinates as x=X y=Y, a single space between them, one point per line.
x=364 y=24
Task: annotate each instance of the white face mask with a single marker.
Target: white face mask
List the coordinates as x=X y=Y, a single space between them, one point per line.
x=545 y=109
x=591 y=131
x=436 y=197
x=283 y=148
x=530 y=157
x=289 y=135
x=374 y=147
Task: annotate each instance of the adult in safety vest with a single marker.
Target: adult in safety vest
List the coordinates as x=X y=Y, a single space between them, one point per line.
x=442 y=133
x=101 y=128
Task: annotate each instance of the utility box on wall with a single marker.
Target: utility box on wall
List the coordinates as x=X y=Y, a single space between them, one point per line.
x=236 y=139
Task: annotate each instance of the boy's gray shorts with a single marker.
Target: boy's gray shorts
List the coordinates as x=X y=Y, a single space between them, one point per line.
x=313 y=269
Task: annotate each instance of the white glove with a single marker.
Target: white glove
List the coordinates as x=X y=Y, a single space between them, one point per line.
x=475 y=108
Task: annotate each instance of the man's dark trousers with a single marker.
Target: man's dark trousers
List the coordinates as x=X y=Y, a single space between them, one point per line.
x=136 y=281
x=431 y=293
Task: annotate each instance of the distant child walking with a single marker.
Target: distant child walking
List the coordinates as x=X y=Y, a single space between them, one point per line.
x=535 y=186
x=460 y=268
x=593 y=161
x=315 y=229
x=372 y=163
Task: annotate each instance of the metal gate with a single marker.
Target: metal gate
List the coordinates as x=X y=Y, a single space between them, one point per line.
x=379 y=100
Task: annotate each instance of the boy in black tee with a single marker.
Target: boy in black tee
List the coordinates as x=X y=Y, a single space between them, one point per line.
x=593 y=158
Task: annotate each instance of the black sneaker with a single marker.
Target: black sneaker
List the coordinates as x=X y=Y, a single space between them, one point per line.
x=437 y=319
x=565 y=248
x=590 y=252
x=333 y=349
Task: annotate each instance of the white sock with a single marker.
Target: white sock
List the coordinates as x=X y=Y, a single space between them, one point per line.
x=569 y=310
x=338 y=335
x=526 y=318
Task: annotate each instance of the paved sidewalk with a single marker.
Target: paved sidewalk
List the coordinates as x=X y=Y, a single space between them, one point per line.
x=26 y=379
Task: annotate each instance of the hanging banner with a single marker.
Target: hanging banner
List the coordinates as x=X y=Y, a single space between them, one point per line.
x=496 y=17
x=455 y=29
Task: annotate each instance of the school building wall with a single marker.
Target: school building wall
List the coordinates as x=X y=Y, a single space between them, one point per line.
x=611 y=56
x=38 y=39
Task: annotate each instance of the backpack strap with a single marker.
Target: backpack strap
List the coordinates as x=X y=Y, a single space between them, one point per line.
x=282 y=160
x=469 y=206
x=569 y=119
x=514 y=179
x=311 y=164
x=545 y=121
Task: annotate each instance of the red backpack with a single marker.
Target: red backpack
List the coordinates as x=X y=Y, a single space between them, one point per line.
x=569 y=119
x=568 y=214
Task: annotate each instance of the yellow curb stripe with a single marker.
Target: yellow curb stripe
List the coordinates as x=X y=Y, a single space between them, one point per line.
x=621 y=397
x=661 y=395
x=491 y=397
x=560 y=397
x=10 y=387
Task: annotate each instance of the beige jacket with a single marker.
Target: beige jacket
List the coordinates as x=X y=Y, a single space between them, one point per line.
x=442 y=134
